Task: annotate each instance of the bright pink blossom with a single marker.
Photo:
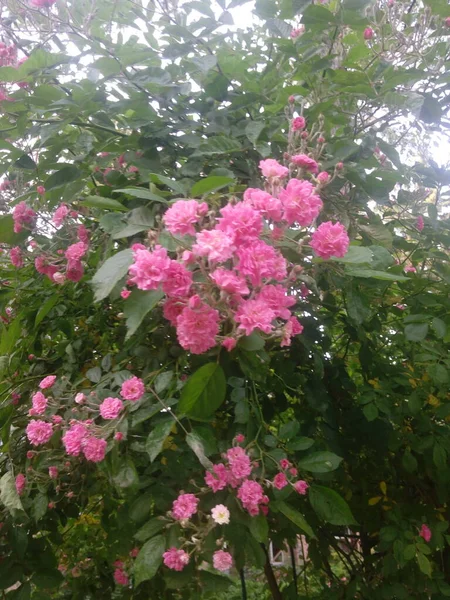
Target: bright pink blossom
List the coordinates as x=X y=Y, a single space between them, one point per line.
x=40 y=190
x=323 y=177
x=330 y=239
x=197 y=327
x=57 y=419
x=74 y=270
x=21 y=482
x=120 y=577
x=239 y=438
x=420 y=224
x=272 y=168
x=292 y=327
x=267 y=205
x=301 y=487
x=183 y=215
x=15 y=254
x=132 y=389
x=241 y=222
x=254 y=314
x=76 y=251
x=239 y=462
x=284 y=463
x=39 y=402
x=53 y=472
x=217 y=480
x=47 y=382
x=229 y=343
x=280 y=481
x=118 y=436
x=222 y=560
x=172 y=309
x=83 y=234
x=251 y=495
x=229 y=282
x=39 y=432
x=425 y=533
x=175 y=559
x=305 y=162
x=94 y=449
x=179 y=280
x=368 y=33
x=111 y=408
x=149 y=269
x=23 y=216
x=261 y=262
x=277 y=299
x=300 y=203
x=184 y=506
x=298 y=123
x=60 y=214
x=125 y=293
x=216 y=245
x=73 y=438
x=293 y=471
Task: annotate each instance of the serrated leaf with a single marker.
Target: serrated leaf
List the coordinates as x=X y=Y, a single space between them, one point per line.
x=374 y=274
x=136 y=307
x=150 y=529
x=294 y=516
x=330 y=506
x=8 y=494
x=253 y=130
x=424 y=564
x=62 y=177
x=141 y=193
x=204 y=392
x=416 y=332
x=320 y=462
x=259 y=528
x=157 y=437
x=195 y=443
x=149 y=559
x=210 y=184
x=219 y=145
x=110 y=273
x=103 y=203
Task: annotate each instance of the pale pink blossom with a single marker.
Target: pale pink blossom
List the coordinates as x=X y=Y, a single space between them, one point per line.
x=298 y=123
x=23 y=216
x=220 y=514
x=229 y=282
x=293 y=471
x=111 y=408
x=39 y=432
x=40 y=190
x=39 y=402
x=323 y=177
x=425 y=533
x=420 y=224
x=94 y=449
x=175 y=559
x=80 y=398
x=305 y=162
x=134 y=552
x=73 y=438
x=59 y=278
x=132 y=389
x=295 y=33
x=184 y=506
x=251 y=495
x=265 y=203
x=215 y=244
x=261 y=262
x=172 y=309
x=222 y=560
x=83 y=234
x=241 y=222
x=197 y=327
x=301 y=487
x=272 y=168
x=47 y=382
x=330 y=239
x=60 y=215
x=21 y=482
x=15 y=254
x=280 y=481
x=292 y=327
x=300 y=203
x=57 y=419
x=183 y=215
x=76 y=251
x=149 y=269
x=53 y=472
x=254 y=314
x=410 y=269
x=277 y=299
x=179 y=280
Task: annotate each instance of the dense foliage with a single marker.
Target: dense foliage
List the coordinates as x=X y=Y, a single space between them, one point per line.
x=326 y=402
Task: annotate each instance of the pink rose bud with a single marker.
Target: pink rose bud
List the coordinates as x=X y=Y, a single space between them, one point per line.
x=59 y=278
x=339 y=166
x=291 y=99
x=40 y=189
x=321 y=140
x=80 y=398
x=33 y=244
x=368 y=33
x=30 y=454
x=31 y=357
x=323 y=177
x=298 y=123
x=239 y=438
x=51 y=505
x=73 y=214
x=295 y=33
x=118 y=436
x=447 y=22
x=125 y=293
x=304 y=135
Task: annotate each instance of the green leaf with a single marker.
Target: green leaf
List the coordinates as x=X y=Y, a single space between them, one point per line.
x=94 y=374
x=439 y=327
x=8 y=494
x=103 y=203
x=162 y=381
x=174 y=185
x=140 y=219
x=141 y=193
x=330 y=506
x=259 y=528
x=241 y=412
x=157 y=437
x=294 y=516
x=409 y=462
x=409 y=552
x=219 y=145
x=356 y=255
x=7 y=235
x=110 y=273
x=289 y=430
x=301 y=443
x=210 y=184
x=137 y=305
x=149 y=559
x=320 y=462
x=196 y=444
x=46 y=579
x=150 y=529
x=370 y=411
x=357 y=304
x=205 y=63
x=46 y=308
x=252 y=342
x=253 y=130
x=40 y=505
x=316 y=14
x=125 y=475
x=424 y=564
x=416 y=332
x=438 y=373
x=376 y=274
x=62 y=177
x=204 y=392
x=25 y=162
